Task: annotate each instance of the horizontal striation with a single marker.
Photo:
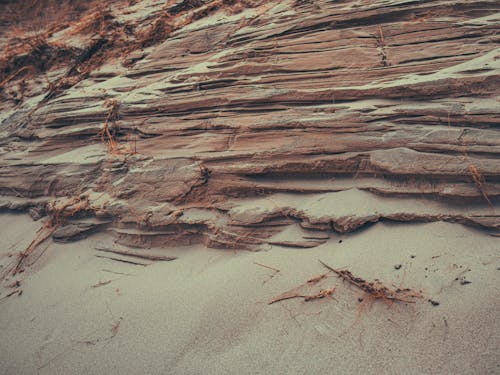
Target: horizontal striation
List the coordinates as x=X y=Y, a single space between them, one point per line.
x=234 y=127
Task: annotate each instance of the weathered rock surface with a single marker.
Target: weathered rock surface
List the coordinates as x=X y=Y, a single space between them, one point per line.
x=234 y=125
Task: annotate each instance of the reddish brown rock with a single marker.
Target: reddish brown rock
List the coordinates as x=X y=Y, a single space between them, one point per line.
x=235 y=122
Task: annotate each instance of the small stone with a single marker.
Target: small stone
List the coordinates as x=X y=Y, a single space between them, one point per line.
x=35 y=213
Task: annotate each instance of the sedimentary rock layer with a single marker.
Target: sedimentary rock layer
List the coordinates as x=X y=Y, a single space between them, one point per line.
x=235 y=123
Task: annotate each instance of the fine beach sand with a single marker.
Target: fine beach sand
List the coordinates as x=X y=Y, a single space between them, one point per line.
x=207 y=312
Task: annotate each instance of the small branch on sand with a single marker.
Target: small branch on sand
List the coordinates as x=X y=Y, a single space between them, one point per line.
x=101 y=283
x=321 y=294
x=123 y=260
x=17 y=291
x=275 y=271
x=137 y=254
x=117 y=273
x=376 y=289
x=294 y=293
x=268 y=267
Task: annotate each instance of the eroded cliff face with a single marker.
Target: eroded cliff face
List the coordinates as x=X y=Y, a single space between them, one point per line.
x=244 y=124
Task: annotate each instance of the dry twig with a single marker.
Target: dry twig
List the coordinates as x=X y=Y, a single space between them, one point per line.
x=268 y=267
x=294 y=293
x=123 y=260
x=136 y=254
x=101 y=283
x=376 y=289
x=17 y=291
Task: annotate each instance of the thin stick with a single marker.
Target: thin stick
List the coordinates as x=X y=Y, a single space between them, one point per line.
x=283 y=298
x=18 y=291
x=101 y=283
x=136 y=254
x=268 y=267
x=321 y=294
x=123 y=260
x=116 y=273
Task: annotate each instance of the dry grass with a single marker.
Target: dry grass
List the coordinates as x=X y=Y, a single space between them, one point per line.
x=108 y=133
x=476 y=175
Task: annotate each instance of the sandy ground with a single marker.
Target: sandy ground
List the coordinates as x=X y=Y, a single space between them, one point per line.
x=207 y=312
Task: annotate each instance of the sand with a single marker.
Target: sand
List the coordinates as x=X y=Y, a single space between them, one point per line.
x=207 y=311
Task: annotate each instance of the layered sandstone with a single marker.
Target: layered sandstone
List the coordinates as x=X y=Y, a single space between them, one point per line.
x=249 y=124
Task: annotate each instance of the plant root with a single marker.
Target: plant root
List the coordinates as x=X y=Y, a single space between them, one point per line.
x=58 y=212
x=106 y=136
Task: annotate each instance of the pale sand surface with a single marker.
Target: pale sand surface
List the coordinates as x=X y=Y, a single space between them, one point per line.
x=207 y=311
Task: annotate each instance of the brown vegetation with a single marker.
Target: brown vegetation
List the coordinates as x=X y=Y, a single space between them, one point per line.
x=375 y=289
